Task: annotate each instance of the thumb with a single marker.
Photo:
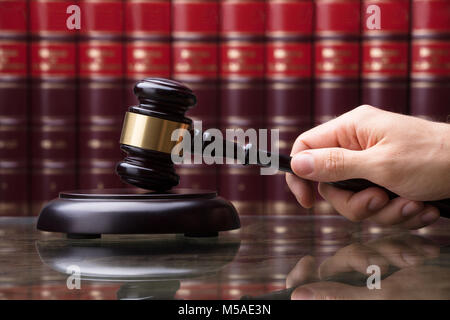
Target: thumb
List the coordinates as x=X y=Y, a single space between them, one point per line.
x=330 y=164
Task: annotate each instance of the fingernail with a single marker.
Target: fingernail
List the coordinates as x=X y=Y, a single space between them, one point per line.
x=304 y=163
x=376 y=204
x=411 y=207
x=303 y=294
x=430 y=216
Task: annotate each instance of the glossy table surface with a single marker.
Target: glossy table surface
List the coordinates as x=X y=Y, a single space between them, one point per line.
x=263 y=259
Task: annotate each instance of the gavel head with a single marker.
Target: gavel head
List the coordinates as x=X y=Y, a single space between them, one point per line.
x=147 y=130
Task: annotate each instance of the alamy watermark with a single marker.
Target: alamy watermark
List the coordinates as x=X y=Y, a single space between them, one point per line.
x=237 y=147
x=373 y=22
x=374 y=280
x=74 y=280
x=73 y=22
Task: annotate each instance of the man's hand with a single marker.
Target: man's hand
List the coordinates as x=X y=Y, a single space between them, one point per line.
x=414 y=279
x=407 y=155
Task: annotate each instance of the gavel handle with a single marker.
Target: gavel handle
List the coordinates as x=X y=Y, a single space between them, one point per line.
x=357 y=185
x=284 y=164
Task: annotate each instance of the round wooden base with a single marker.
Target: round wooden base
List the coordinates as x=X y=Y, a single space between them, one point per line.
x=87 y=214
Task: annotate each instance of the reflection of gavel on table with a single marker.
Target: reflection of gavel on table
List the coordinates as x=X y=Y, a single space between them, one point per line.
x=146 y=138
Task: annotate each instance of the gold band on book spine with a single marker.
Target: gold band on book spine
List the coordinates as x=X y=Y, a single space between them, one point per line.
x=150 y=133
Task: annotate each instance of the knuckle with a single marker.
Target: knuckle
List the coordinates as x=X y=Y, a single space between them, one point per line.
x=364 y=108
x=334 y=163
x=361 y=112
x=298 y=145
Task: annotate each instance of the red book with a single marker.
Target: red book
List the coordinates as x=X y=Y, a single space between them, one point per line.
x=13 y=14
x=240 y=19
x=337 y=18
x=195 y=62
x=101 y=103
x=48 y=18
x=102 y=18
x=430 y=18
x=394 y=14
x=430 y=60
x=53 y=102
x=385 y=74
x=242 y=93
x=147 y=43
x=147 y=46
x=337 y=58
x=385 y=54
x=288 y=89
x=336 y=73
x=13 y=109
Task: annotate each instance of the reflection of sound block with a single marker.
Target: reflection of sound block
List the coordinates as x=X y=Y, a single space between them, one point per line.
x=147 y=267
x=90 y=213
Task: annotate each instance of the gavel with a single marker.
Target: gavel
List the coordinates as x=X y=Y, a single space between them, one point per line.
x=147 y=132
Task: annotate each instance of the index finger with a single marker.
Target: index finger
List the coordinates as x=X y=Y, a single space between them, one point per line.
x=339 y=132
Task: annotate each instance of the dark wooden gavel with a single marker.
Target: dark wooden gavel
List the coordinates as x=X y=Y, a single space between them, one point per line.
x=147 y=140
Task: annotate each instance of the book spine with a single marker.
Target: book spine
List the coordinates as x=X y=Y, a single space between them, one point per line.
x=13 y=108
x=385 y=55
x=288 y=88
x=147 y=43
x=195 y=52
x=101 y=105
x=336 y=65
x=53 y=102
x=242 y=30
x=430 y=60
x=337 y=58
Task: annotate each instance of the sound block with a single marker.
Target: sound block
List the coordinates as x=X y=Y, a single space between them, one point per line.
x=91 y=213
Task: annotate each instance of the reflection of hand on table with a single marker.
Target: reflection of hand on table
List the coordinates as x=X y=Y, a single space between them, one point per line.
x=413 y=280
x=407 y=155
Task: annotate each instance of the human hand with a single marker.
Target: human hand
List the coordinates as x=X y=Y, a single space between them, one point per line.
x=406 y=155
x=406 y=253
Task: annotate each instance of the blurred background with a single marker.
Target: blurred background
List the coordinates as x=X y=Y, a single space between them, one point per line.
x=284 y=64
